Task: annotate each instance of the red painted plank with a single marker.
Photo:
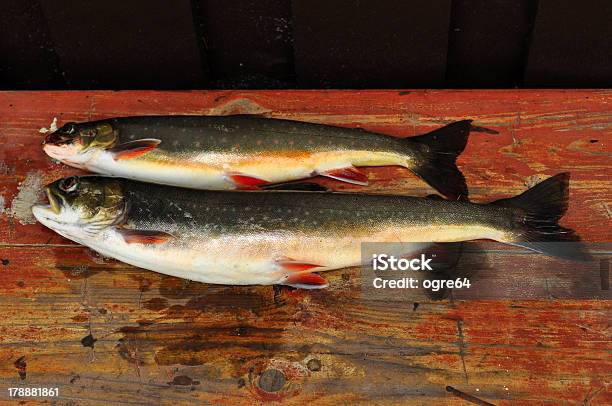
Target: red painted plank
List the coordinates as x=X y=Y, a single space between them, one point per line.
x=154 y=337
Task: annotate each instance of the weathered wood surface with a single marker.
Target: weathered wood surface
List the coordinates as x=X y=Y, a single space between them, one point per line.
x=105 y=332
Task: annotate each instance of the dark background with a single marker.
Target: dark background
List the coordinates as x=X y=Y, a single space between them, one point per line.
x=256 y=44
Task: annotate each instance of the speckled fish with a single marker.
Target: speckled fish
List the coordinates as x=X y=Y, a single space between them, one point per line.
x=247 y=237
x=243 y=152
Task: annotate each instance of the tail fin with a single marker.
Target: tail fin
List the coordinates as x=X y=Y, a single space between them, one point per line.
x=538 y=212
x=437 y=166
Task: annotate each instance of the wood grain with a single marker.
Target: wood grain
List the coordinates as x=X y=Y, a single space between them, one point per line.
x=105 y=332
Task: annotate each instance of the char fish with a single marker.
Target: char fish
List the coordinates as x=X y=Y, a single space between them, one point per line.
x=249 y=237
x=246 y=152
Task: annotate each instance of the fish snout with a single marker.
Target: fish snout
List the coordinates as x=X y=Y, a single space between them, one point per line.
x=61 y=151
x=44 y=214
x=51 y=149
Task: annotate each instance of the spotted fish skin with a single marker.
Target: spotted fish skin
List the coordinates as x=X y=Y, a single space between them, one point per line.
x=245 y=133
x=248 y=237
x=230 y=152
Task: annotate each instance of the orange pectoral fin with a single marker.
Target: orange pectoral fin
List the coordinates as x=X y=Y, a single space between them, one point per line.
x=299 y=276
x=134 y=149
x=245 y=181
x=306 y=281
x=144 y=236
x=349 y=174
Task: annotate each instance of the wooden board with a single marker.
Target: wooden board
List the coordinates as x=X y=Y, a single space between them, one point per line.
x=106 y=332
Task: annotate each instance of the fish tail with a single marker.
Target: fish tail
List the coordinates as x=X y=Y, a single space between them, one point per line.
x=537 y=214
x=437 y=162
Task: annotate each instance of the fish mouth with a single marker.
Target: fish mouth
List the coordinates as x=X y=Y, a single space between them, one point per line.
x=52 y=138
x=54 y=202
x=48 y=214
x=60 y=151
x=55 y=138
x=44 y=211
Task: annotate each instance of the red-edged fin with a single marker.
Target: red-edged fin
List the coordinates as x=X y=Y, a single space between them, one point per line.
x=349 y=174
x=134 y=149
x=306 y=281
x=290 y=264
x=143 y=236
x=245 y=181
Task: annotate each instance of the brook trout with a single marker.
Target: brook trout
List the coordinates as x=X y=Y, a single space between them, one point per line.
x=246 y=152
x=246 y=238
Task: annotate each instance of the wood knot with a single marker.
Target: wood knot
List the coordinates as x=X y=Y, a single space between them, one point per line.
x=313 y=365
x=88 y=341
x=272 y=380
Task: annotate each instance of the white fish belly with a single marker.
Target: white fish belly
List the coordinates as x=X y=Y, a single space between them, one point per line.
x=213 y=171
x=235 y=260
x=196 y=176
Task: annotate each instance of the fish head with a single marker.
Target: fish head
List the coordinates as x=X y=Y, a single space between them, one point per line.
x=81 y=207
x=75 y=143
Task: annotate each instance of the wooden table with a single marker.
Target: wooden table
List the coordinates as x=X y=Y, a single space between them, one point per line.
x=104 y=332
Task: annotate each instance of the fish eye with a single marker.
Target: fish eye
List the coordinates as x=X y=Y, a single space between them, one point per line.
x=69 y=128
x=69 y=184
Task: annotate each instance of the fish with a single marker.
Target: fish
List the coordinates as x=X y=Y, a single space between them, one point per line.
x=248 y=152
x=286 y=237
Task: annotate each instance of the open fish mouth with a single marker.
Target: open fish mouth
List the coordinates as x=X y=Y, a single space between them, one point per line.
x=50 y=209
x=54 y=201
